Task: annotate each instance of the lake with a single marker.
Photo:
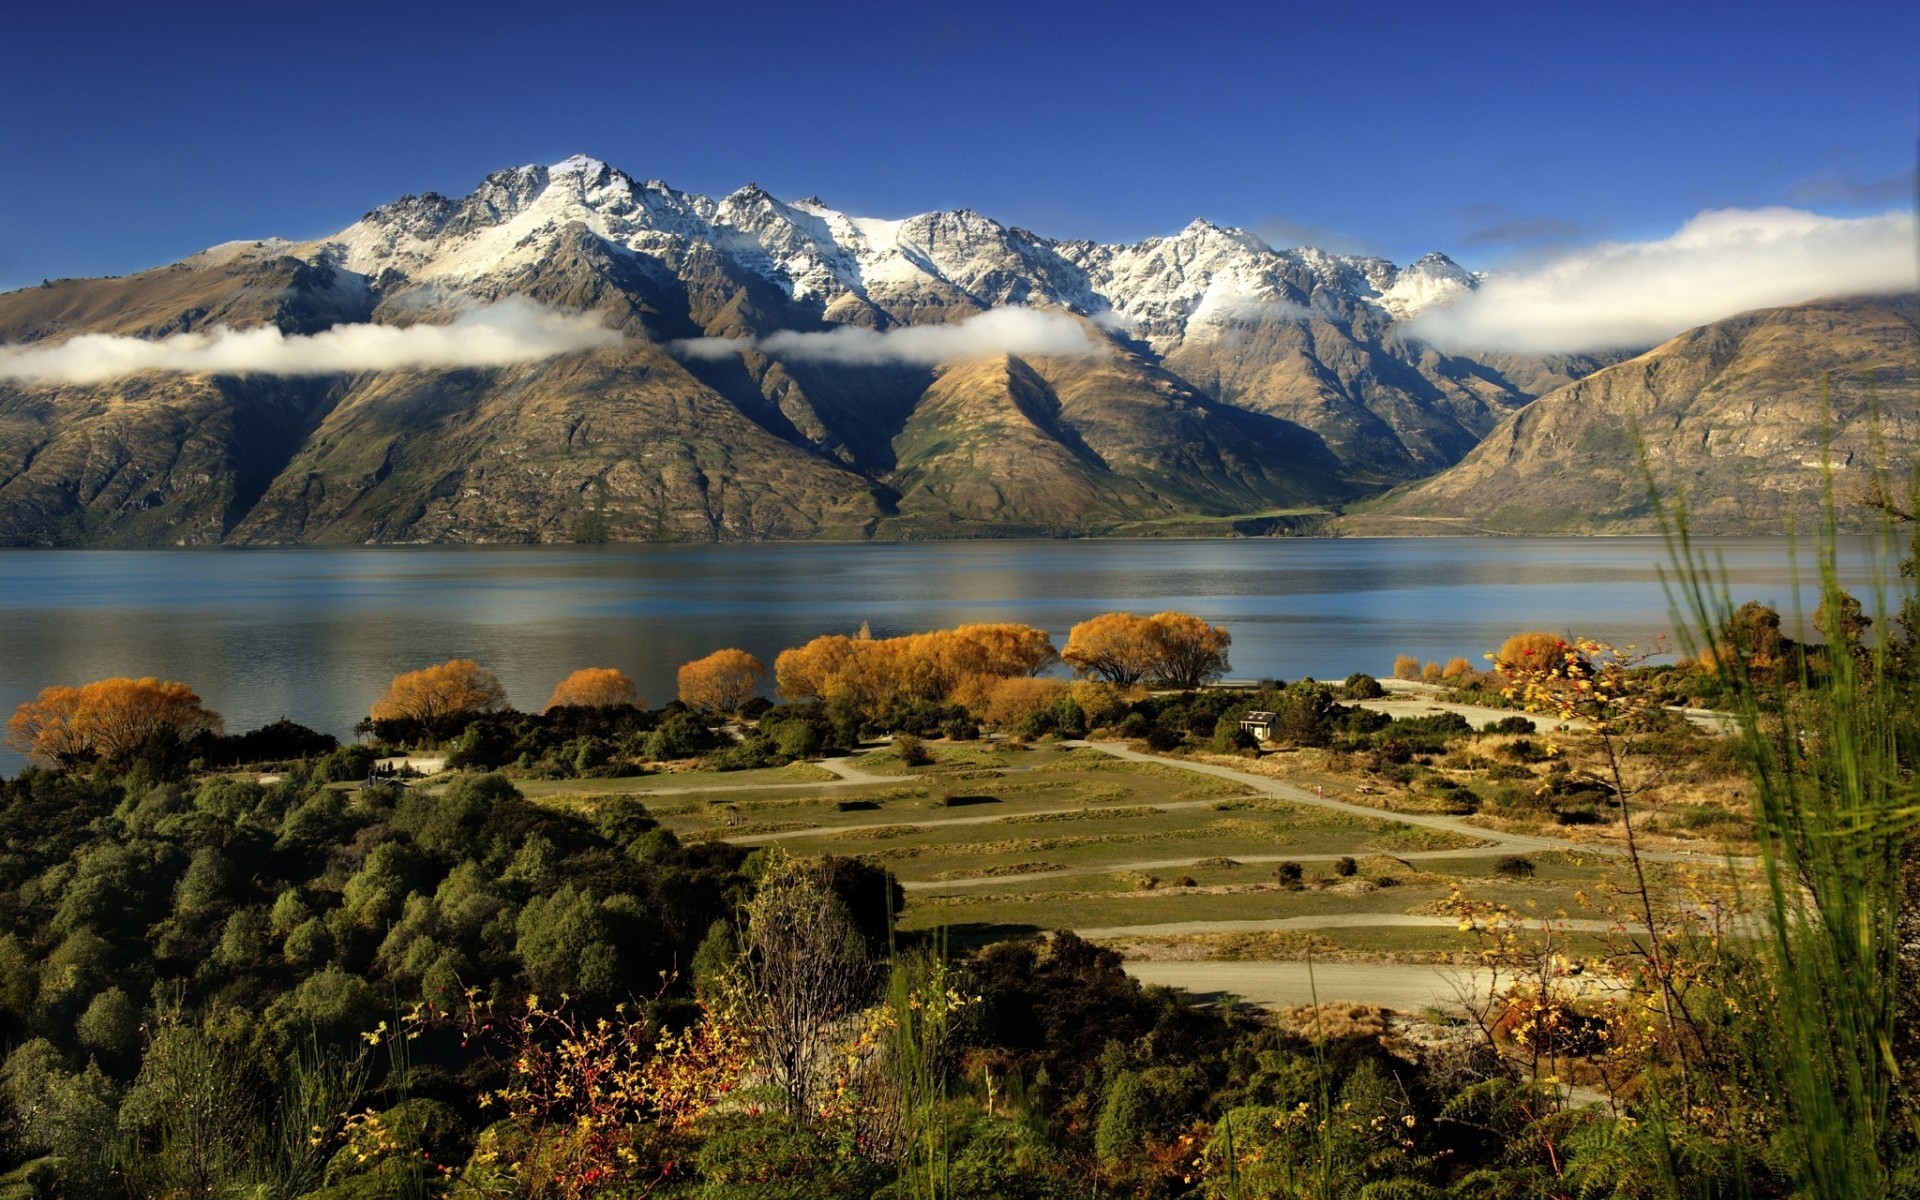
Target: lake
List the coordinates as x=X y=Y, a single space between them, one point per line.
x=316 y=634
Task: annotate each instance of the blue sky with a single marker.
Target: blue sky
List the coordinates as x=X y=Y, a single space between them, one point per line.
x=133 y=135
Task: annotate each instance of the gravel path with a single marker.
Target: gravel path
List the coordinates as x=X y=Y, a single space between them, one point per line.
x=1406 y=987
x=1347 y=920
x=1494 y=842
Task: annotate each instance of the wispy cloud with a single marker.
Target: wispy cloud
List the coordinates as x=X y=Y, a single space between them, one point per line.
x=999 y=331
x=1836 y=188
x=1628 y=294
x=511 y=331
x=1524 y=231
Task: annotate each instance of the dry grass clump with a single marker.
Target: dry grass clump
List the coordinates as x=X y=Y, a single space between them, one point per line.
x=1336 y=1021
x=879 y=833
x=1021 y=868
x=1089 y=815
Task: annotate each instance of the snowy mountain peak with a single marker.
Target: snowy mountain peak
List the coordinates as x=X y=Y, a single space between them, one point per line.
x=1205 y=279
x=577 y=164
x=1431 y=279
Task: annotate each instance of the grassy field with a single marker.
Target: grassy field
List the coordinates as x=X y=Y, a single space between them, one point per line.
x=993 y=841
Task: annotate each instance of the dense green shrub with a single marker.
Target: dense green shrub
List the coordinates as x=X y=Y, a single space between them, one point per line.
x=1361 y=686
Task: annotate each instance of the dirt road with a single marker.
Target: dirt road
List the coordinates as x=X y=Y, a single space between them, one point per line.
x=1406 y=987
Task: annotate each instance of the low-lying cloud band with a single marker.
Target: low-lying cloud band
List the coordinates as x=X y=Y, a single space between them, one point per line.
x=511 y=331
x=1632 y=294
x=998 y=331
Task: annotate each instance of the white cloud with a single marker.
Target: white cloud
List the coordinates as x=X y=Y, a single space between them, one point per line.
x=513 y=330
x=997 y=331
x=1630 y=294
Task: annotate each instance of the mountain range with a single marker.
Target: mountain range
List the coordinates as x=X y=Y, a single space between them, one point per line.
x=614 y=359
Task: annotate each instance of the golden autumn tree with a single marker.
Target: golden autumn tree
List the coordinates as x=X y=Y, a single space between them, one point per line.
x=1187 y=651
x=109 y=720
x=594 y=687
x=1116 y=647
x=1004 y=650
x=1169 y=649
x=439 y=697
x=880 y=674
x=722 y=681
x=1011 y=701
x=814 y=671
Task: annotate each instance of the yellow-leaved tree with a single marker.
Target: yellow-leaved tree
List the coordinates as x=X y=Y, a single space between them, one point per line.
x=1168 y=649
x=721 y=682
x=594 y=687
x=108 y=720
x=442 y=697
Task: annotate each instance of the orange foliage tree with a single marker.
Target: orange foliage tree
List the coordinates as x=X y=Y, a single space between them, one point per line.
x=594 y=687
x=1530 y=650
x=879 y=673
x=1005 y=650
x=1188 y=650
x=722 y=681
x=109 y=720
x=1012 y=701
x=439 y=697
x=1117 y=647
x=1169 y=649
x=816 y=670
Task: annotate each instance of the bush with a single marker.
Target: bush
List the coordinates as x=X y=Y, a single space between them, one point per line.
x=776 y=1157
x=1531 y=650
x=1305 y=714
x=1514 y=866
x=799 y=739
x=1290 y=875
x=1125 y=1119
x=1433 y=728
x=1345 y=867
x=1509 y=725
x=1229 y=738
x=681 y=735
x=345 y=764
x=1406 y=666
x=912 y=751
x=1361 y=686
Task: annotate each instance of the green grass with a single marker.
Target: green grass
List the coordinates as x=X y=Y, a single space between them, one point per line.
x=639 y=785
x=1108 y=909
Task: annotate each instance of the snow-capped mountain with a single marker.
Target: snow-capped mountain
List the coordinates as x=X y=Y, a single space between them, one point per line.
x=1204 y=373
x=868 y=271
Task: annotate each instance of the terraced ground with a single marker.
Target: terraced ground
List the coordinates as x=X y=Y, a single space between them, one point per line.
x=1174 y=862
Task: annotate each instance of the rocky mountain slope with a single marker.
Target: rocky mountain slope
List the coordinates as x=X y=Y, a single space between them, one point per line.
x=1224 y=377
x=1737 y=419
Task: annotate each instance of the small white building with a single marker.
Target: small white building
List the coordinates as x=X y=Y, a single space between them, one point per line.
x=1259 y=724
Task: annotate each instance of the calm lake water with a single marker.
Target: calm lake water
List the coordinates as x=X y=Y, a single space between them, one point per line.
x=315 y=634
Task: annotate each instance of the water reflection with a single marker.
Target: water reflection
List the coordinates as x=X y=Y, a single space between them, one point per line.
x=314 y=634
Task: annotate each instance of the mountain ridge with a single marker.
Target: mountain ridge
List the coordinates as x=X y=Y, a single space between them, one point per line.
x=1728 y=419
x=758 y=388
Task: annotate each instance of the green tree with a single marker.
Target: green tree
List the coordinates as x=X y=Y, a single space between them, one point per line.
x=570 y=942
